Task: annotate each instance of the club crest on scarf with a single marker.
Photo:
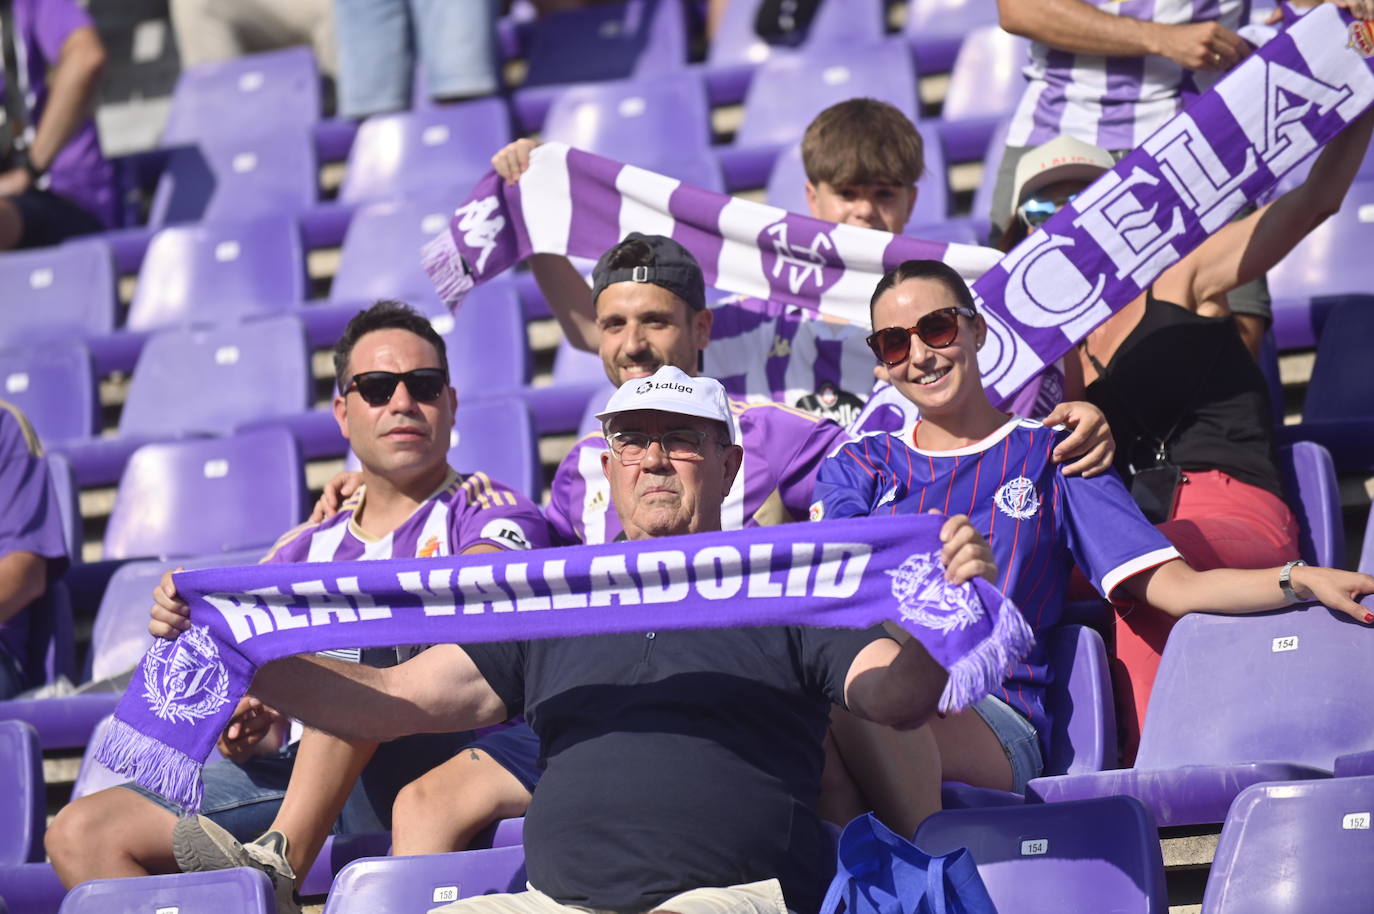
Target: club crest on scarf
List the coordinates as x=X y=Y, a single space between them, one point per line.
x=797 y=266
x=926 y=598
x=1362 y=37
x=184 y=680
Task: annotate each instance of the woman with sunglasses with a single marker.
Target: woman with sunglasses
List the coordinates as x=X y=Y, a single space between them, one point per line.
x=1187 y=404
x=965 y=456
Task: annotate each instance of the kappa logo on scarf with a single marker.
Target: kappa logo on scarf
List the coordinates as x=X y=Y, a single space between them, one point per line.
x=797 y=265
x=1017 y=498
x=926 y=598
x=480 y=224
x=184 y=680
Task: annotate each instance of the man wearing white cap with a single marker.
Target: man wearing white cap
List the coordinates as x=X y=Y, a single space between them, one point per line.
x=682 y=767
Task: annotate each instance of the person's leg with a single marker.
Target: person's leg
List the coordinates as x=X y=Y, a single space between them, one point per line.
x=456 y=41
x=127 y=831
x=443 y=810
x=895 y=773
x=11 y=224
x=326 y=769
x=112 y=834
x=376 y=57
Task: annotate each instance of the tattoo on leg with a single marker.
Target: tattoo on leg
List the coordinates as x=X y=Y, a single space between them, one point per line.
x=472 y=754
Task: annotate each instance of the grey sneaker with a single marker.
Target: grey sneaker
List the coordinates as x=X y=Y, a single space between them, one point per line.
x=199 y=845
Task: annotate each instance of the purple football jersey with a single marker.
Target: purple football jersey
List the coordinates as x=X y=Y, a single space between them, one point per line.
x=783 y=447
x=463 y=512
x=29 y=520
x=1038 y=522
x=761 y=350
x=79 y=171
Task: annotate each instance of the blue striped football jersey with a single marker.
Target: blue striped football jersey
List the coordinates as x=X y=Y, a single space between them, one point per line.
x=1038 y=522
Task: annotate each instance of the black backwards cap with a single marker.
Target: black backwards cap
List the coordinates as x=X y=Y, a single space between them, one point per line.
x=674 y=268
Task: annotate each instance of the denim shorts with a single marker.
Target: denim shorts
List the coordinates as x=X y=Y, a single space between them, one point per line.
x=1018 y=738
x=244 y=799
x=515 y=749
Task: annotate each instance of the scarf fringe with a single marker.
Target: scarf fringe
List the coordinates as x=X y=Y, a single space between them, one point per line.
x=983 y=668
x=165 y=771
x=446 y=269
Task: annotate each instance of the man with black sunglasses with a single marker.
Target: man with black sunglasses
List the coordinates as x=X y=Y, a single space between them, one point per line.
x=396 y=409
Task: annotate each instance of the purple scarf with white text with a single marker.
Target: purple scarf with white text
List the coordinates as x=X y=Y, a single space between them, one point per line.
x=1226 y=149
x=841 y=574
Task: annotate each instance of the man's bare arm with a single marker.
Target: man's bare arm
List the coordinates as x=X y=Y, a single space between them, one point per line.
x=23 y=578
x=438 y=691
x=1079 y=27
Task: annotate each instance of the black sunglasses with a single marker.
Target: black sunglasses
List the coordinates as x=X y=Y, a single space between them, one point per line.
x=937 y=330
x=377 y=387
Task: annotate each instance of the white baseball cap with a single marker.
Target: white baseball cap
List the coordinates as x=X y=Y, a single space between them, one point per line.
x=1063 y=158
x=671 y=390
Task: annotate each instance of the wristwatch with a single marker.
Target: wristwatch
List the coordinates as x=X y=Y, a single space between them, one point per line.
x=1286 y=580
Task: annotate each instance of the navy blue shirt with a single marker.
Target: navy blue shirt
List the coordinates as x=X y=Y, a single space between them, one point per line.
x=676 y=760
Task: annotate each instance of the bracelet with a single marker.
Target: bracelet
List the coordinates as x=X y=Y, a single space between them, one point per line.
x=34 y=171
x=1286 y=580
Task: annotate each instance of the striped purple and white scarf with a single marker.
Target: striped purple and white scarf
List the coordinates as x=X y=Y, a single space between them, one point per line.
x=1225 y=150
x=841 y=574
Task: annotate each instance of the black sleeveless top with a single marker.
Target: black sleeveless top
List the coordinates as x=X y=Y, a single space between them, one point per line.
x=1189 y=378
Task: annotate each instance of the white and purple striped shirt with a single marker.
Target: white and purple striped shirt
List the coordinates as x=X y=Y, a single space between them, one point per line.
x=465 y=511
x=1115 y=102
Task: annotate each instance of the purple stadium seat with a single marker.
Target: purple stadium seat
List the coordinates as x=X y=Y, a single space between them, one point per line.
x=238 y=176
x=661 y=123
x=1240 y=700
x=1314 y=493
x=51 y=644
x=1080 y=702
x=786 y=188
x=251 y=484
x=23 y=802
x=1355 y=764
x=736 y=49
x=341 y=850
x=31 y=888
x=1338 y=408
x=68 y=503
x=937 y=29
x=218 y=273
x=57 y=293
x=488 y=352
x=396 y=884
x=1366 y=562
x=579 y=386
x=381 y=254
x=790 y=89
x=257 y=92
x=242 y=890
x=1081 y=857
x=54 y=384
x=425 y=151
x=597 y=43
x=983 y=90
x=1319 y=271
x=1298 y=846
x=203 y=382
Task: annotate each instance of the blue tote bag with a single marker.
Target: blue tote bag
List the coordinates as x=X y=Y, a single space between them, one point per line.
x=880 y=872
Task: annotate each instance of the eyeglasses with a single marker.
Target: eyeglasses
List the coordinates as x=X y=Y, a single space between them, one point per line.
x=377 y=387
x=1035 y=212
x=678 y=444
x=937 y=330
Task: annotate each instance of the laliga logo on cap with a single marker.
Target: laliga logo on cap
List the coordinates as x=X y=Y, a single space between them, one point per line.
x=671 y=386
x=183 y=680
x=926 y=598
x=1362 y=37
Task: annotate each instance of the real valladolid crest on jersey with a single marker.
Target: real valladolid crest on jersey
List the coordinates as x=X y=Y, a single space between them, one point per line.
x=1017 y=498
